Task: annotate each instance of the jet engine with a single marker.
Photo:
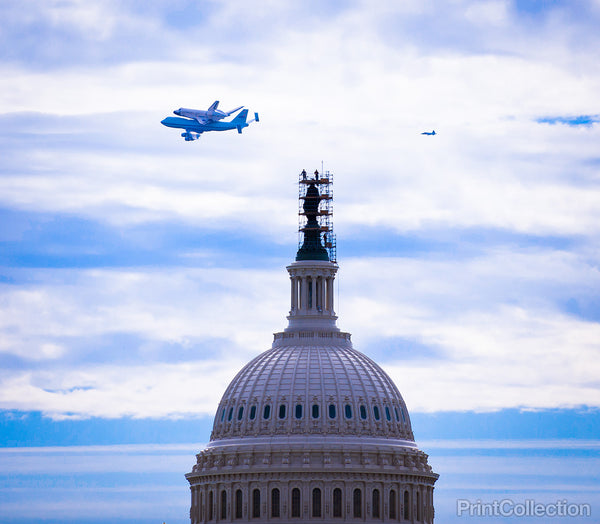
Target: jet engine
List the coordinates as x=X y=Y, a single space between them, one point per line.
x=189 y=136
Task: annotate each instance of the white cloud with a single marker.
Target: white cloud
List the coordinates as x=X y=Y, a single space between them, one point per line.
x=353 y=87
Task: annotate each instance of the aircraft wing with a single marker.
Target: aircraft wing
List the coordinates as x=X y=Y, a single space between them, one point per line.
x=233 y=111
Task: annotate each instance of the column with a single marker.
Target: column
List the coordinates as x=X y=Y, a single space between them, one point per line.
x=304 y=293
x=294 y=294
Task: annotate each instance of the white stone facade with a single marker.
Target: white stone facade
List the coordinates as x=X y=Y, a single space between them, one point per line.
x=312 y=430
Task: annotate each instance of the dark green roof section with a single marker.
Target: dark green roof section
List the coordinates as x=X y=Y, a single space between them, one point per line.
x=312 y=248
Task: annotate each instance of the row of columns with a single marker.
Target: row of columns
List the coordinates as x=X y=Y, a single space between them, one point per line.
x=311 y=295
x=411 y=504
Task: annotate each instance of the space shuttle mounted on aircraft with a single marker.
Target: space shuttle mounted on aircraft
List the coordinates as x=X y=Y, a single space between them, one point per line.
x=197 y=121
x=212 y=114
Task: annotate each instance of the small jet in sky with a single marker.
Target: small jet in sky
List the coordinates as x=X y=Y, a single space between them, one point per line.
x=194 y=128
x=212 y=114
x=430 y=134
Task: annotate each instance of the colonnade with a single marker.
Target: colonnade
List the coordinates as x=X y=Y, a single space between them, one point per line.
x=312 y=288
x=311 y=295
x=284 y=501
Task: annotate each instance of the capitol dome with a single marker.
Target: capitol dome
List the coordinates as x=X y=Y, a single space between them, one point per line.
x=319 y=386
x=312 y=429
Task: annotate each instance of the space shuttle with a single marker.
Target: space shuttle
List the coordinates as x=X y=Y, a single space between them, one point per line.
x=212 y=114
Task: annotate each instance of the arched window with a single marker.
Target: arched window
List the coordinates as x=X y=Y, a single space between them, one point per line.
x=388 y=416
x=397 y=415
x=332 y=411
x=315 y=411
x=376 y=413
x=337 y=502
x=223 y=505
x=256 y=504
x=252 y=412
x=393 y=505
x=238 y=504
x=223 y=415
x=267 y=411
x=230 y=416
x=274 y=502
x=282 y=411
x=295 y=502
x=357 y=503
x=403 y=417
x=376 y=503
x=316 y=502
x=406 y=505
x=211 y=506
x=348 y=411
x=363 y=412
x=298 y=411
x=240 y=412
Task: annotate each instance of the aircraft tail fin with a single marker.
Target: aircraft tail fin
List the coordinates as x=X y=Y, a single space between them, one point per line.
x=214 y=105
x=241 y=118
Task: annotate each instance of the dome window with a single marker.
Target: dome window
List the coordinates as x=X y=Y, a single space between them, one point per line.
x=337 y=503
x=211 y=507
x=240 y=412
x=392 y=505
x=348 y=411
x=388 y=416
x=256 y=504
x=238 y=504
x=252 y=412
x=332 y=411
x=407 y=511
x=376 y=413
x=315 y=411
x=363 y=412
x=298 y=411
x=316 y=503
x=357 y=503
x=230 y=416
x=376 y=503
x=296 y=502
x=397 y=415
x=223 y=415
x=275 y=503
x=223 y=505
x=403 y=417
x=282 y=411
x=267 y=412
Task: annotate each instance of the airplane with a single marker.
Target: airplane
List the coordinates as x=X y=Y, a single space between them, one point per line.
x=430 y=134
x=193 y=128
x=212 y=114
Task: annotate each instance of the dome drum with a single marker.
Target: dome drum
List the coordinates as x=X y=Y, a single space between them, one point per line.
x=303 y=496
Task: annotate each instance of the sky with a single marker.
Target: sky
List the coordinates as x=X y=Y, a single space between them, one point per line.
x=140 y=272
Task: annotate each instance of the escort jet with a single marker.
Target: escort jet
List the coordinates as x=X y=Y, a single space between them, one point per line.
x=430 y=134
x=212 y=114
x=193 y=128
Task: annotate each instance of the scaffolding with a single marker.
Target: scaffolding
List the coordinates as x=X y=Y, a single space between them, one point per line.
x=324 y=183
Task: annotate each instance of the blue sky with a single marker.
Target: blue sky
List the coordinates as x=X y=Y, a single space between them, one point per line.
x=138 y=272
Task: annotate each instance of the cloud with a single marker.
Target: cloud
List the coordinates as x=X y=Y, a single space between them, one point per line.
x=580 y=120
x=478 y=244
x=159 y=343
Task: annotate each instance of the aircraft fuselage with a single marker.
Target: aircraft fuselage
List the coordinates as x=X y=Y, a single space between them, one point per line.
x=195 y=127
